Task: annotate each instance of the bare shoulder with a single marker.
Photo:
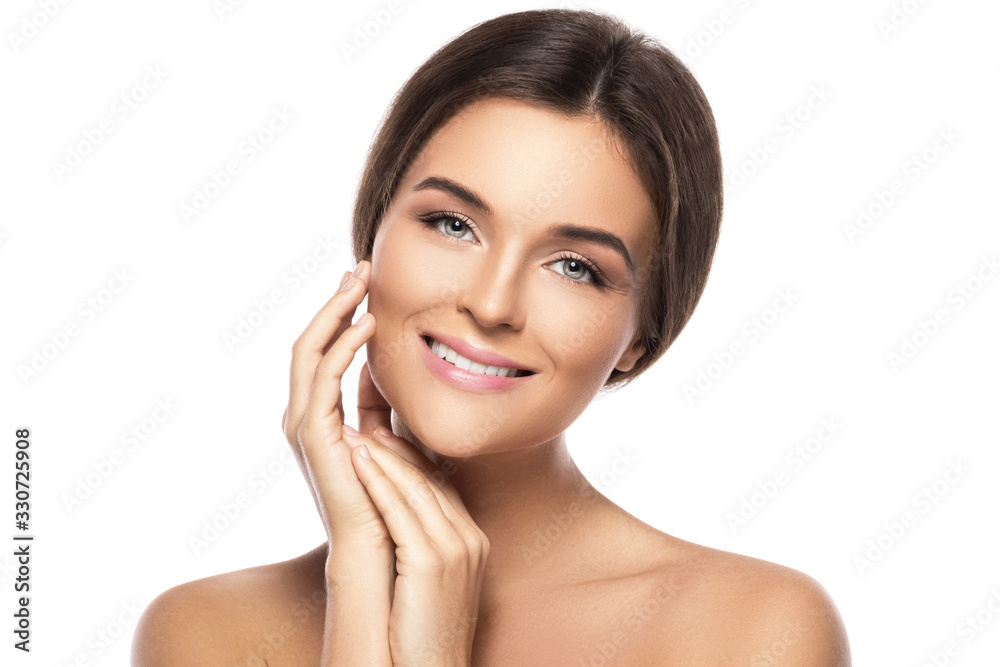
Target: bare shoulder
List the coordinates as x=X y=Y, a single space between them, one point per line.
x=752 y=611
x=239 y=617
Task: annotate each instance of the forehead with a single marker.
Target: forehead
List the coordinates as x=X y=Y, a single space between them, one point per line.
x=538 y=166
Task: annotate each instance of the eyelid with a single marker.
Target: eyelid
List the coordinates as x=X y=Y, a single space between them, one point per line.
x=433 y=218
x=598 y=278
x=454 y=214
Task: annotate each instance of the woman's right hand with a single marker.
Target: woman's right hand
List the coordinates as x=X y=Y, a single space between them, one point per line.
x=313 y=422
x=360 y=563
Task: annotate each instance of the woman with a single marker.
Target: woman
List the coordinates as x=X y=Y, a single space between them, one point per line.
x=535 y=223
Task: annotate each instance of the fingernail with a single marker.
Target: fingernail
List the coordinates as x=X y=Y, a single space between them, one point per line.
x=380 y=432
x=350 y=431
x=357 y=269
x=347 y=285
x=365 y=453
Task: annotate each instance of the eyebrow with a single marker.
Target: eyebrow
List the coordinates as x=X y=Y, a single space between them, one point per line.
x=564 y=230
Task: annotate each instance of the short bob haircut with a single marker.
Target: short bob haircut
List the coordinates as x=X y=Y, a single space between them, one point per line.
x=577 y=63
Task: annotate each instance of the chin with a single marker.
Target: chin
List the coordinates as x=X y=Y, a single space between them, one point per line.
x=442 y=435
x=488 y=431
x=440 y=426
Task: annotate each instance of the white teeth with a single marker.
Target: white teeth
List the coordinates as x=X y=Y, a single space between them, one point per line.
x=449 y=355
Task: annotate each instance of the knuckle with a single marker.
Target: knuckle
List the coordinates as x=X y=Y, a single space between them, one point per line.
x=323 y=367
x=434 y=562
x=477 y=546
x=324 y=363
x=302 y=437
x=456 y=552
x=401 y=507
x=415 y=500
x=416 y=479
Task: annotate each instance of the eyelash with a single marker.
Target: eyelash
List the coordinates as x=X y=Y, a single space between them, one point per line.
x=597 y=278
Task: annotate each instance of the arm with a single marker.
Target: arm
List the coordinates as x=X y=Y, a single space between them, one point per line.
x=181 y=627
x=797 y=623
x=355 y=631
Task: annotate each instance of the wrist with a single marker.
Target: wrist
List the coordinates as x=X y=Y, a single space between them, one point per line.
x=462 y=661
x=359 y=569
x=360 y=552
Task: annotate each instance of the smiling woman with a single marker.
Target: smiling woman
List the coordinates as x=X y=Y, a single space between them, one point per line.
x=494 y=279
x=535 y=224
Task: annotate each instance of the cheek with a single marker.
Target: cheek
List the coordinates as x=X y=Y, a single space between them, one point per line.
x=404 y=284
x=584 y=343
x=404 y=295
x=386 y=302
x=391 y=268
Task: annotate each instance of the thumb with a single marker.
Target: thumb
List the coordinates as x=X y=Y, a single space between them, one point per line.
x=373 y=409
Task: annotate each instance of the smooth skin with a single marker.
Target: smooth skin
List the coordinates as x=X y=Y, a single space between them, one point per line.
x=468 y=482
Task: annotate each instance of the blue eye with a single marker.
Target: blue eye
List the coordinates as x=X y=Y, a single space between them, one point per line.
x=455 y=227
x=450 y=225
x=583 y=265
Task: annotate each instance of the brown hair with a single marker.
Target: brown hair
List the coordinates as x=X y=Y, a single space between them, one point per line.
x=577 y=62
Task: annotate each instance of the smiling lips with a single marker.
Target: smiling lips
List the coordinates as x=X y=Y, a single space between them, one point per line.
x=453 y=357
x=474 y=354
x=475 y=369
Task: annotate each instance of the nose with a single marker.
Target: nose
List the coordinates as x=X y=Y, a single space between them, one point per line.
x=492 y=293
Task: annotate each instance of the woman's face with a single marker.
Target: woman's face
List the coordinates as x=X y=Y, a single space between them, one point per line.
x=487 y=269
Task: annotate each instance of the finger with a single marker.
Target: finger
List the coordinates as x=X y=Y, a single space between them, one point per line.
x=416 y=485
x=310 y=347
x=400 y=447
x=321 y=409
x=407 y=451
x=320 y=334
x=302 y=370
x=305 y=356
x=373 y=409
x=406 y=500
x=295 y=400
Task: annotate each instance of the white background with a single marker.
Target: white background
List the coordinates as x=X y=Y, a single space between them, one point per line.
x=887 y=95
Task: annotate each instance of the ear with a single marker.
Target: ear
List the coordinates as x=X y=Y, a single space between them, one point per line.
x=630 y=356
